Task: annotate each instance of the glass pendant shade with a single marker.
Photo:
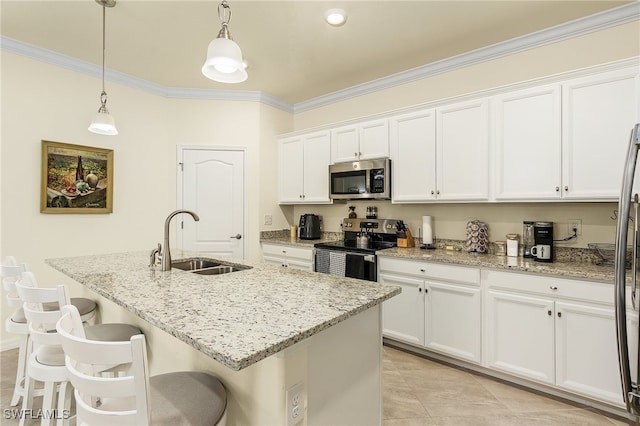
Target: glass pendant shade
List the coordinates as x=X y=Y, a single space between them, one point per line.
x=103 y=124
x=224 y=62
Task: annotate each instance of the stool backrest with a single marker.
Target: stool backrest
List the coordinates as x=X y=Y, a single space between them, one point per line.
x=125 y=397
x=11 y=272
x=41 y=322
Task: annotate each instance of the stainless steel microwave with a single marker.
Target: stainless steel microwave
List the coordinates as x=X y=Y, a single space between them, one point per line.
x=360 y=180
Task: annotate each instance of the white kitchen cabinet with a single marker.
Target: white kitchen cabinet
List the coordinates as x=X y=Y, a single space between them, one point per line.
x=304 y=169
x=413 y=150
x=597 y=116
x=441 y=154
x=527 y=140
x=361 y=141
x=403 y=315
x=520 y=332
x=439 y=307
x=556 y=331
x=462 y=151
x=288 y=256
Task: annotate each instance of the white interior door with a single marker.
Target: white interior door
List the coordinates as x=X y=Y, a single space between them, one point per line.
x=213 y=187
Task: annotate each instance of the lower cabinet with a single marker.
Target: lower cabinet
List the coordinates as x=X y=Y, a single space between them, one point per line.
x=439 y=307
x=288 y=256
x=555 y=331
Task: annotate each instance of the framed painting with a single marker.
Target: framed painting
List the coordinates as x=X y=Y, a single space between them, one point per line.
x=76 y=179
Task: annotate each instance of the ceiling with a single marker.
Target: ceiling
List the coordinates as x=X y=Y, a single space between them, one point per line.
x=291 y=52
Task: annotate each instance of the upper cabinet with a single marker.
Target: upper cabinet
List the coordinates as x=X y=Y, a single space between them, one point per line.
x=361 y=141
x=597 y=116
x=462 y=151
x=441 y=154
x=304 y=169
x=563 y=139
x=413 y=154
x=527 y=144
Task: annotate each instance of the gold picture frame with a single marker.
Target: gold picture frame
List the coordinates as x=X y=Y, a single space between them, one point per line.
x=76 y=179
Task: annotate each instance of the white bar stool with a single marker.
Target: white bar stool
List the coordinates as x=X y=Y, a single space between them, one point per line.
x=16 y=323
x=179 y=398
x=46 y=361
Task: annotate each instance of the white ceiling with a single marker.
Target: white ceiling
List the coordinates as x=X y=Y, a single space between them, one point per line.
x=292 y=53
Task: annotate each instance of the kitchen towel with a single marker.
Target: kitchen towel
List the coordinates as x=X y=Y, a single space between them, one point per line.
x=322 y=261
x=354 y=266
x=337 y=263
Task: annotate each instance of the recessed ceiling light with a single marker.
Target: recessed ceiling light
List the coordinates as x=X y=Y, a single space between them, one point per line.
x=335 y=17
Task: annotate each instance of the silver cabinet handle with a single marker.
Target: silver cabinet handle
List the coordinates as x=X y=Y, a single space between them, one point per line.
x=566 y=188
x=549 y=312
x=432 y=192
x=557 y=188
x=553 y=287
x=559 y=314
x=237 y=236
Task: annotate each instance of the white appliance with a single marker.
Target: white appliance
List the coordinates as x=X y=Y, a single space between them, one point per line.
x=627 y=336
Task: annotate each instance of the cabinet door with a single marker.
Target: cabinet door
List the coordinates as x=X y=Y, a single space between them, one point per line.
x=290 y=168
x=586 y=354
x=403 y=315
x=527 y=139
x=598 y=114
x=374 y=139
x=520 y=332
x=345 y=144
x=317 y=155
x=413 y=143
x=452 y=320
x=463 y=151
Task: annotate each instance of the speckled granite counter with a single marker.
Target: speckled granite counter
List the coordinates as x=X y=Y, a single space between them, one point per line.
x=238 y=318
x=575 y=270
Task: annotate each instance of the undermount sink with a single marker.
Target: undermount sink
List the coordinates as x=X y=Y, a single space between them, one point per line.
x=205 y=266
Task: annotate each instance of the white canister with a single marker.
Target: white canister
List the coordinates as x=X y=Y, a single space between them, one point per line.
x=512 y=245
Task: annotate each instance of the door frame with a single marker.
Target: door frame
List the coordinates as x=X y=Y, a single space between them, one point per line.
x=179 y=194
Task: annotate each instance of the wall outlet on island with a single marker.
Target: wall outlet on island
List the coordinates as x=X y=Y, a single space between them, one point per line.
x=295 y=404
x=268 y=219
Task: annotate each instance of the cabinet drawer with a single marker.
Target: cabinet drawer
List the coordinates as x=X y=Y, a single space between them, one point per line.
x=589 y=291
x=459 y=274
x=288 y=251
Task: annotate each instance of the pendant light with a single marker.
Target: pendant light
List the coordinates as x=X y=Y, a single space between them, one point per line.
x=103 y=123
x=224 y=58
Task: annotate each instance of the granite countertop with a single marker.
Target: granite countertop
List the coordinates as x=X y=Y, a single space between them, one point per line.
x=238 y=318
x=574 y=270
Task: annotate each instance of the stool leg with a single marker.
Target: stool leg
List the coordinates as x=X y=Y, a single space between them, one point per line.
x=64 y=403
x=47 y=402
x=27 y=399
x=18 y=389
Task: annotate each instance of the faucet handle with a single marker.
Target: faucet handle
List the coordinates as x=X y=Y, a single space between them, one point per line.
x=155 y=256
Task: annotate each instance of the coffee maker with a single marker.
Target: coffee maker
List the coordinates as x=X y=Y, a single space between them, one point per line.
x=542 y=251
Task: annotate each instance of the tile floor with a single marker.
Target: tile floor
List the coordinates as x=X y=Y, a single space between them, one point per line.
x=421 y=392
x=418 y=391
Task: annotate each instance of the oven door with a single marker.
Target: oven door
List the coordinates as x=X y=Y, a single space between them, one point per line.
x=347 y=264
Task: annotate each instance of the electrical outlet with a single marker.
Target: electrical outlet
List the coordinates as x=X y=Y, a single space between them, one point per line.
x=295 y=404
x=574 y=223
x=268 y=219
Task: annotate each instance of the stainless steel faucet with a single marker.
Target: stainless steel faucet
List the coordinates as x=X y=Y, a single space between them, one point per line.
x=165 y=256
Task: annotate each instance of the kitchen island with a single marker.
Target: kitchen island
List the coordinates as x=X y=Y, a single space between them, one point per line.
x=261 y=330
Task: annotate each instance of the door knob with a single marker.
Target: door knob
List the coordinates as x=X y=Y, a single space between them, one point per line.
x=237 y=236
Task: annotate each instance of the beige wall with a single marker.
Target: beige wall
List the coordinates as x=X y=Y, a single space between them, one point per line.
x=450 y=219
x=41 y=101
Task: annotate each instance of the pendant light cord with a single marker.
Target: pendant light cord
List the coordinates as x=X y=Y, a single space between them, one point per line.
x=103 y=44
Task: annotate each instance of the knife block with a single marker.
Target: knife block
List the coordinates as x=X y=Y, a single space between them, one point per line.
x=408 y=241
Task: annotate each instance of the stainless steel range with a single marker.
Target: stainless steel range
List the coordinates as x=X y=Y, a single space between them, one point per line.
x=354 y=256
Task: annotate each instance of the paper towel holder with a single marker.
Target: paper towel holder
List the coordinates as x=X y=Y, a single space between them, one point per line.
x=427 y=233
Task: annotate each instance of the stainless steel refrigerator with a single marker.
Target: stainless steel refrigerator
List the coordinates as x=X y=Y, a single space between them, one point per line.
x=626 y=314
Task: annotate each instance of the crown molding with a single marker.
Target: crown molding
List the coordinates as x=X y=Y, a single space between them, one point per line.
x=617 y=16
x=611 y=18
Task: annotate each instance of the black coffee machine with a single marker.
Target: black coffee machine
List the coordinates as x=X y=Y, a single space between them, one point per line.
x=542 y=251
x=309 y=227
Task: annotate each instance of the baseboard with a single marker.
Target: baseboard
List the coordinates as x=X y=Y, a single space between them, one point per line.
x=7 y=344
